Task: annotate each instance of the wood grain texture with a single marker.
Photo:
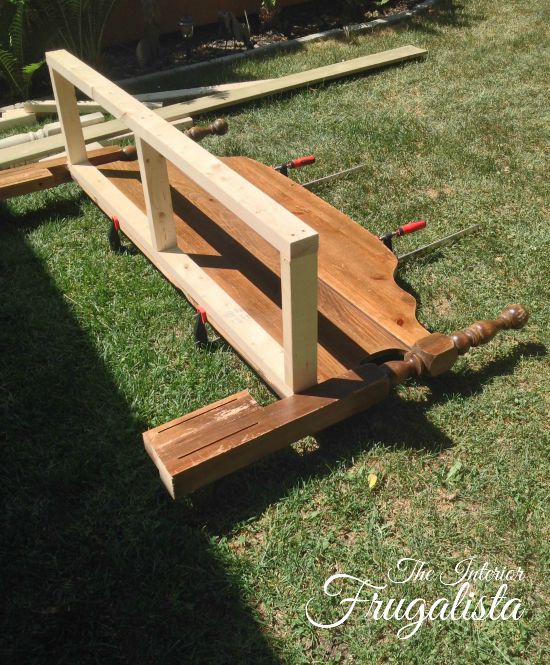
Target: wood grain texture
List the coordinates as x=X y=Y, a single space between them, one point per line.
x=228 y=435
x=158 y=200
x=277 y=225
x=356 y=289
x=43 y=175
x=69 y=118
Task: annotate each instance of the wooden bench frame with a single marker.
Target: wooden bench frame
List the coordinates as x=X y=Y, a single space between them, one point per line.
x=289 y=368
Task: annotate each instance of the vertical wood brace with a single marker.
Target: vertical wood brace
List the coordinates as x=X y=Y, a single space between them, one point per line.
x=158 y=200
x=69 y=118
x=299 y=304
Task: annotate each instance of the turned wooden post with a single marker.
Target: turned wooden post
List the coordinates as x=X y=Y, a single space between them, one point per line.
x=217 y=128
x=434 y=353
x=481 y=332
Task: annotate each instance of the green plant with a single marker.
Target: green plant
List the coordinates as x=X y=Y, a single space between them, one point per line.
x=15 y=69
x=269 y=10
x=79 y=24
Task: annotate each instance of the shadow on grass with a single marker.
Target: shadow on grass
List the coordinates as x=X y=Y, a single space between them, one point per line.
x=394 y=422
x=97 y=565
x=445 y=14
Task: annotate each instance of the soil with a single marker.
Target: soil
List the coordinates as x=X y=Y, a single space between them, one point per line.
x=208 y=41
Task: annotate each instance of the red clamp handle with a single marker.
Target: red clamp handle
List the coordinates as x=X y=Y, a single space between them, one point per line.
x=202 y=313
x=116 y=223
x=411 y=227
x=301 y=161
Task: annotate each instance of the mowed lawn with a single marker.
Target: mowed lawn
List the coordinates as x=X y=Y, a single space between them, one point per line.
x=99 y=565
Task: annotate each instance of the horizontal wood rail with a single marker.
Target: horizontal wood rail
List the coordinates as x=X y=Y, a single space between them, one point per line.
x=290 y=368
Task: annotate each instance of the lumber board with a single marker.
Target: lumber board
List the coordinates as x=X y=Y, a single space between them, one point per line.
x=156 y=188
x=240 y=329
x=69 y=118
x=44 y=175
x=248 y=268
x=290 y=236
x=48 y=130
x=172 y=112
x=16 y=118
x=300 y=325
x=351 y=260
x=190 y=93
x=207 y=444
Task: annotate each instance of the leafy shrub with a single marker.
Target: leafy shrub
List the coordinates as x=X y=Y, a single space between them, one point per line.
x=16 y=66
x=78 y=25
x=269 y=10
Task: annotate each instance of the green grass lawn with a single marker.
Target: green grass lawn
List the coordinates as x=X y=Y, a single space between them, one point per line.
x=98 y=565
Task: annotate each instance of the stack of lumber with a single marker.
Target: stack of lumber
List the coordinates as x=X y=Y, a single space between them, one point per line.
x=215 y=99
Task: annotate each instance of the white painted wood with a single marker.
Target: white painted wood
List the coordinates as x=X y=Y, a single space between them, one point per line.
x=16 y=118
x=50 y=129
x=49 y=107
x=158 y=200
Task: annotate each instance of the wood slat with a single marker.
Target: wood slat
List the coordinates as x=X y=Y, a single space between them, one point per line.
x=43 y=175
x=248 y=269
x=26 y=153
x=233 y=433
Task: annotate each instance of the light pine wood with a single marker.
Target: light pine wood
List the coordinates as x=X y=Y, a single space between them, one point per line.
x=69 y=118
x=299 y=305
x=180 y=123
x=208 y=104
x=158 y=141
x=191 y=93
x=362 y=311
x=273 y=222
x=228 y=317
x=31 y=152
x=158 y=200
x=16 y=118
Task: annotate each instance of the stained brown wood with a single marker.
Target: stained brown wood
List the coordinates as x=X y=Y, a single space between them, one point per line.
x=481 y=332
x=228 y=435
x=43 y=175
x=362 y=312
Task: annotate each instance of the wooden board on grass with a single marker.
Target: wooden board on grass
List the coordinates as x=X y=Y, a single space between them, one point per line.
x=113 y=128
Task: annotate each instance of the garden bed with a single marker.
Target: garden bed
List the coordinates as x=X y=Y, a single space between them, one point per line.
x=292 y=22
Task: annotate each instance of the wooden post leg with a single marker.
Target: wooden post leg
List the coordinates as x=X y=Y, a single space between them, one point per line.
x=481 y=332
x=158 y=200
x=299 y=301
x=67 y=110
x=436 y=353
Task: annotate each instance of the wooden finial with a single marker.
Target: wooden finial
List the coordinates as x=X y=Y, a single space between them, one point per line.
x=218 y=128
x=431 y=355
x=481 y=332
